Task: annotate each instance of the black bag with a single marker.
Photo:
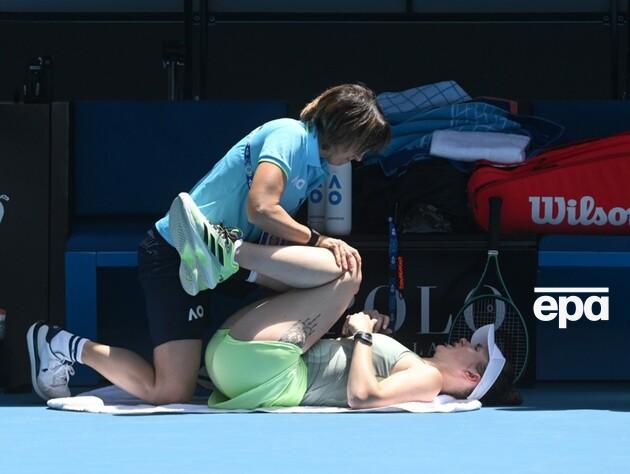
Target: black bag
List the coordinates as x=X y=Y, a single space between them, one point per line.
x=429 y=197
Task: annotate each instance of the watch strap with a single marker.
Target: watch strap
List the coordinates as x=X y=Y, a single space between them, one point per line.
x=314 y=237
x=363 y=336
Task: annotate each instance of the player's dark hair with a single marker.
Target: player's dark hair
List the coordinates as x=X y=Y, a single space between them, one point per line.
x=502 y=391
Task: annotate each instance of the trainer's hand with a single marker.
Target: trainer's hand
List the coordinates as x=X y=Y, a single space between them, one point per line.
x=346 y=257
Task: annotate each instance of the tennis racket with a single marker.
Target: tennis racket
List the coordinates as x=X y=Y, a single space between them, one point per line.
x=490 y=303
x=392 y=257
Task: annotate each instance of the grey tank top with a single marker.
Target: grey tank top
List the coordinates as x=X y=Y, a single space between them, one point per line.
x=328 y=365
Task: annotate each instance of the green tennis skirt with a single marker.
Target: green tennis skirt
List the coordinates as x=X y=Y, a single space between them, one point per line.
x=252 y=374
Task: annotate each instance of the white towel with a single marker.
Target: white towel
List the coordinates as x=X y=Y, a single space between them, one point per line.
x=504 y=148
x=115 y=401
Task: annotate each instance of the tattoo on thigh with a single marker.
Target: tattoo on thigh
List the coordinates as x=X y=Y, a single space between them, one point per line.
x=300 y=331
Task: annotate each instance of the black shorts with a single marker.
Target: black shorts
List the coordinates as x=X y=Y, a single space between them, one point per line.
x=171 y=312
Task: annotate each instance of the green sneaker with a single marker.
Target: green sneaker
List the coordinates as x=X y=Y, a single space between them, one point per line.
x=206 y=250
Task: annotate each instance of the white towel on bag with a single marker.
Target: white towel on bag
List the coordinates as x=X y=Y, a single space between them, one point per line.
x=504 y=148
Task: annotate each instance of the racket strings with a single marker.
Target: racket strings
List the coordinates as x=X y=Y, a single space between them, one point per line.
x=510 y=333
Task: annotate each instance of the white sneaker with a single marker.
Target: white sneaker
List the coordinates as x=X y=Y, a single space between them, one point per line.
x=50 y=372
x=206 y=250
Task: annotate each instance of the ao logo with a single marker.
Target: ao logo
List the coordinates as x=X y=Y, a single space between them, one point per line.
x=299 y=183
x=547 y=308
x=195 y=313
x=317 y=195
x=334 y=191
x=3 y=197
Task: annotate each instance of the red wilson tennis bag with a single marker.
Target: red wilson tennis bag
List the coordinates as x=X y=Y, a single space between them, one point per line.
x=583 y=188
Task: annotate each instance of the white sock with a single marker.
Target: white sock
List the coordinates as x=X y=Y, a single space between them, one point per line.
x=237 y=245
x=79 y=349
x=68 y=345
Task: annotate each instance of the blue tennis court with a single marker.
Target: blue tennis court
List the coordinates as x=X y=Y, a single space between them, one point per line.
x=568 y=427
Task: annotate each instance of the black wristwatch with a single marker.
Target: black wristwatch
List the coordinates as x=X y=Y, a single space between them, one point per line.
x=312 y=242
x=363 y=336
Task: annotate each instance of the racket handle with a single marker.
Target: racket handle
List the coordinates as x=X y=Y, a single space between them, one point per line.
x=393 y=271
x=494 y=222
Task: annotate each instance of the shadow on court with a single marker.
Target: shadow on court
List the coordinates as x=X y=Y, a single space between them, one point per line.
x=20 y=399
x=547 y=396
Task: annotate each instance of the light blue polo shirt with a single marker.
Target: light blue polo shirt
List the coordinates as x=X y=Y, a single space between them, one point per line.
x=222 y=194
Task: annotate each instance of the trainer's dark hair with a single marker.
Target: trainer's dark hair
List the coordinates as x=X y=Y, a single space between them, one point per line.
x=348 y=116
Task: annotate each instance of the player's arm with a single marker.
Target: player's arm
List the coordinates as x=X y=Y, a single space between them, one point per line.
x=410 y=385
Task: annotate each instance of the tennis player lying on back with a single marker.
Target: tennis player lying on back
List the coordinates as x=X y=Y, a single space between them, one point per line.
x=271 y=353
